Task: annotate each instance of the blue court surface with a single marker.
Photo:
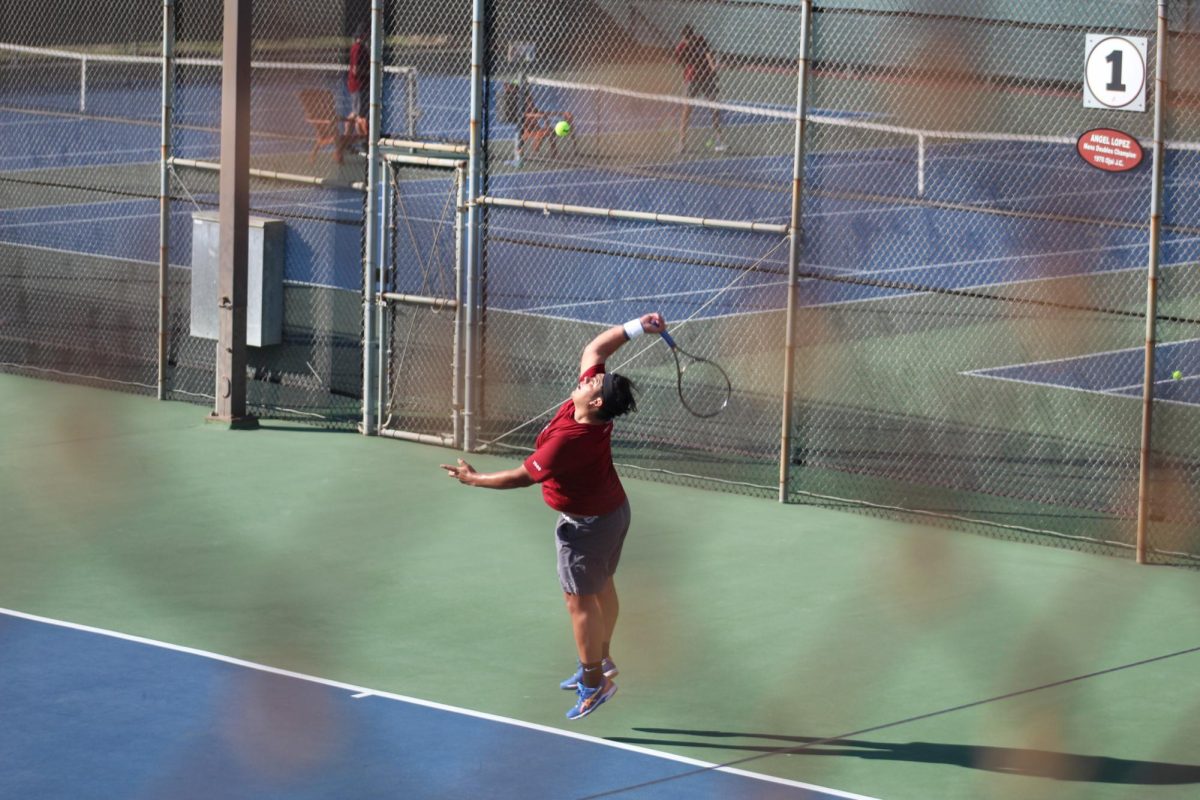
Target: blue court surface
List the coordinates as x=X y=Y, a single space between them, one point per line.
x=867 y=235
x=1117 y=372
x=95 y=714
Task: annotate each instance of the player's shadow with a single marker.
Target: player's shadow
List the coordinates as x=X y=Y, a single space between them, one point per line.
x=1009 y=760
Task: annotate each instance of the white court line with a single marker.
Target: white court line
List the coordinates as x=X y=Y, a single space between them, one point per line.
x=1168 y=381
x=362 y=692
x=1088 y=355
x=25 y=122
x=892 y=294
x=57 y=158
x=78 y=221
x=750 y=260
x=1050 y=254
x=1098 y=392
x=666 y=295
x=1114 y=391
x=15 y=210
x=119 y=259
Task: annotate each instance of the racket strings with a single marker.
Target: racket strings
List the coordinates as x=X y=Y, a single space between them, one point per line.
x=704 y=388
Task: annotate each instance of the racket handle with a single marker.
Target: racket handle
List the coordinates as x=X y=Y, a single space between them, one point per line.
x=667 y=338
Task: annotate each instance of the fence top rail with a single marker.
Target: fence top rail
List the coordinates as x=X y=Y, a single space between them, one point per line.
x=646 y=216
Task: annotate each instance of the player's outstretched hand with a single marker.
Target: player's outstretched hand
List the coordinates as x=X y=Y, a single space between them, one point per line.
x=464 y=472
x=653 y=323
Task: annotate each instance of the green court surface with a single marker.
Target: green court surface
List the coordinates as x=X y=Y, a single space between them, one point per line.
x=888 y=660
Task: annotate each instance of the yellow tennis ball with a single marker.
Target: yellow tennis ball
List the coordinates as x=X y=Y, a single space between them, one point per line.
x=562 y=128
x=1176 y=374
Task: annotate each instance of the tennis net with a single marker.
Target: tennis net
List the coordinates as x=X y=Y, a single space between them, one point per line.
x=909 y=163
x=130 y=86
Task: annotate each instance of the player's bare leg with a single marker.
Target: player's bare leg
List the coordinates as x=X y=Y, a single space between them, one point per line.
x=684 y=120
x=587 y=622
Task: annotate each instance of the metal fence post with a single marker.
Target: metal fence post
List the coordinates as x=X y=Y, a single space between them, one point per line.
x=1160 y=97
x=234 y=217
x=794 y=243
x=164 y=189
x=474 y=171
x=371 y=375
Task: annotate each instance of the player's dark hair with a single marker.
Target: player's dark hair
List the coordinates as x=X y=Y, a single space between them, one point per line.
x=617 y=395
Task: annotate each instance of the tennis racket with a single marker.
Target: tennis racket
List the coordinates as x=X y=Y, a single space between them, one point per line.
x=704 y=388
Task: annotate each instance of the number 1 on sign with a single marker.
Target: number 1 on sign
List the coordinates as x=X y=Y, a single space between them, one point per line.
x=1115 y=84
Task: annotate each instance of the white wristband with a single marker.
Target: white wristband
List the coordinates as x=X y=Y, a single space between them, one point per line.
x=633 y=329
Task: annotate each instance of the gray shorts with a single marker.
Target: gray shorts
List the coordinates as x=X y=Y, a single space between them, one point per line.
x=360 y=102
x=589 y=549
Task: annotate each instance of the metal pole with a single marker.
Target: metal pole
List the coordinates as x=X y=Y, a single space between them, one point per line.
x=413 y=144
x=164 y=189
x=474 y=169
x=370 y=239
x=234 y=217
x=519 y=123
x=413 y=112
x=920 y=165
x=382 y=353
x=456 y=390
x=271 y=174
x=789 y=366
x=648 y=216
x=1160 y=102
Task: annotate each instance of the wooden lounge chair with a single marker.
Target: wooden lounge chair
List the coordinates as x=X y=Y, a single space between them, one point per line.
x=321 y=112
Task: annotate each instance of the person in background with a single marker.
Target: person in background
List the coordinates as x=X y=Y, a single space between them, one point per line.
x=358 y=84
x=699 y=80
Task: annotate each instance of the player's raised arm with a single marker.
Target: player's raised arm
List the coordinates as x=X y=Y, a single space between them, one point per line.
x=608 y=342
x=514 y=478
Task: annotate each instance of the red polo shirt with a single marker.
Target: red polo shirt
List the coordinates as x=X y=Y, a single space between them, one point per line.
x=573 y=463
x=360 y=61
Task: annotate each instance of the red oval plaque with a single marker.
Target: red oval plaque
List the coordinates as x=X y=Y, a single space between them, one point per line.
x=1109 y=150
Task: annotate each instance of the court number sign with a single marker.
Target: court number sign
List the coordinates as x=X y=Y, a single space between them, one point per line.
x=1115 y=72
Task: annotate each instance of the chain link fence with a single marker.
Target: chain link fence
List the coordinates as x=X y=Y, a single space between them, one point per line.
x=85 y=279
x=423 y=224
x=969 y=296
x=987 y=247
x=307 y=175
x=1174 y=516
x=716 y=157
x=78 y=199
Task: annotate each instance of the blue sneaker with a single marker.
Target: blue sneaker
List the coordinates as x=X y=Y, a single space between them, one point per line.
x=610 y=671
x=591 y=699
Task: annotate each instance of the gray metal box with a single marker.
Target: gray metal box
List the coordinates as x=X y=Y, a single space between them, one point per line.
x=264 y=283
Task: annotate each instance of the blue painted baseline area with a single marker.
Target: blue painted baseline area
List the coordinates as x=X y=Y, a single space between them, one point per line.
x=93 y=714
x=1118 y=372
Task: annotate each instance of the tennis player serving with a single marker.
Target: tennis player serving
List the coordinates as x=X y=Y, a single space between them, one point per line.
x=573 y=463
